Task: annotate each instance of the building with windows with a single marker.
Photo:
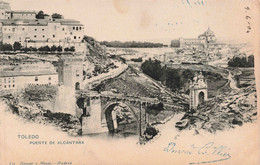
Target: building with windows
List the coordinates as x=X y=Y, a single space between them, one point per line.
x=203 y=40
x=14 y=77
x=24 y=27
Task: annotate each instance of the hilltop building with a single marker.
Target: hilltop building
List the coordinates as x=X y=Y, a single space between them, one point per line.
x=203 y=40
x=24 y=27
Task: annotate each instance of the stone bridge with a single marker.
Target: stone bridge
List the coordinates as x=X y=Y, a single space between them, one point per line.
x=97 y=115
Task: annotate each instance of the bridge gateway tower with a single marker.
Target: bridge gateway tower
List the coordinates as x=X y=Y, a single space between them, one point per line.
x=70 y=75
x=198 y=91
x=70 y=71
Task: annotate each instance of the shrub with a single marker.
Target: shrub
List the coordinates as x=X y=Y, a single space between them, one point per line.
x=53 y=48
x=44 y=49
x=17 y=46
x=5 y=47
x=59 y=49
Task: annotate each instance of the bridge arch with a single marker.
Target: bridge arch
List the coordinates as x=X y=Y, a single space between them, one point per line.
x=110 y=120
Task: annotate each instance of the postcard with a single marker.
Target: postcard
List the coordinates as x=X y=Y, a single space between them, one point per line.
x=129 y=82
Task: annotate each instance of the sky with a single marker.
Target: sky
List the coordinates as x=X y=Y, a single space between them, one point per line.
x=155 y=20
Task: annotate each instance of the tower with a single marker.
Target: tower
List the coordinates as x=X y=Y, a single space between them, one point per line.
x=70 y=74
x=198 y=91
x=70 y=71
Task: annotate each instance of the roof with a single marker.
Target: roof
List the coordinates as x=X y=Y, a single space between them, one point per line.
x=32 y=73
x=21 y=11
x=39 y=22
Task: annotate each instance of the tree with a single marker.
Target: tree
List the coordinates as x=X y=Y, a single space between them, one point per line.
x=72 y=49
x=67 y=49
x=251 y=61
x=131 y=44
x=5 y=47
x=59 y=49
x=53 y=48
x=241 y=62
x=17 y=46
x=56 y=16
x=25 y=49
x=173 y=79
x=40 y=15
x=152 y=69
x=44 y=49
x=32 y=49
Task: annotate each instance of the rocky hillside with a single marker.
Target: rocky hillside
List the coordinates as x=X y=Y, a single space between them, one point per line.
x=96 y=60
x=223 y=112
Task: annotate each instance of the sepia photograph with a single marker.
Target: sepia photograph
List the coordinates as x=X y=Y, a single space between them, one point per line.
x=129 y=82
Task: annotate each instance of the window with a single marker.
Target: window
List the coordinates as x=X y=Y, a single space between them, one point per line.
x=35 y=29
x=73 y=28
x=13 y=85
x=35 y=36
x=42 y=29
x=13 y=29
x=53 y=36
x=70 y=33
x=13 y=80
x=77 y=73
x=77 y=28
x=36 y=78
x=9 y=37
x=9 y=86
x=43 y=36
x=49 y=78
x=75 y=37
x=4 y=86
x=63 y=29
x=22 y=29
x=9 y=80
x=4 y=80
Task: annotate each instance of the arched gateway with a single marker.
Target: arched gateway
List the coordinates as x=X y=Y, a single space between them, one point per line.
x=198 y=91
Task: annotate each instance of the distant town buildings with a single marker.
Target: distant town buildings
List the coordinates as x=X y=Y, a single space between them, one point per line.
x=205 y=39
x=25 y=28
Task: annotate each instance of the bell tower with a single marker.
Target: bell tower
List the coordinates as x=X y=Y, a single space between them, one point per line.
x=198 y=90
